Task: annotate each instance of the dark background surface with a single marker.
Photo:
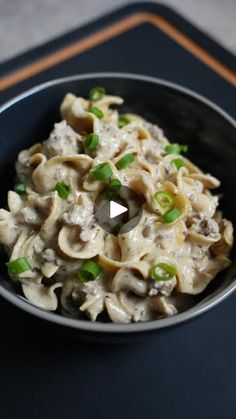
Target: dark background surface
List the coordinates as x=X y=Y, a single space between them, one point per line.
x=187 y=372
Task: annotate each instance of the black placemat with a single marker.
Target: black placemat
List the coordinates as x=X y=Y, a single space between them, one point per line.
x=188 y=372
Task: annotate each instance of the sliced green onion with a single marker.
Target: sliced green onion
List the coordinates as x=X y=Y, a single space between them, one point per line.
x=102 y=171
x=20 y=188
x=178 y=163
x=123 y=121
x=114 y=184
x=125 y=161
x=176 y=149
x=112 y=189
x=96 y=93
x=63 y=190
x=89 y=271
x=171 y=215
x=97 y=112
x=117 y=229
x=18 y=266
x=91 y=142
x=164 y=199
x=162 y=272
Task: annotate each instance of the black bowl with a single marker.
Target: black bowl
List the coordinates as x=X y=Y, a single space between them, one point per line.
x=185 y=117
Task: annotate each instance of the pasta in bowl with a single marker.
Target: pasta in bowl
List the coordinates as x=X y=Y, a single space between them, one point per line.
x=64 y=260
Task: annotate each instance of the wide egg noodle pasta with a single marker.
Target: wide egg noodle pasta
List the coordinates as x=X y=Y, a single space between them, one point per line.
x=58 y=234
x=71 y=245
x=40 y=295
x=70 y=168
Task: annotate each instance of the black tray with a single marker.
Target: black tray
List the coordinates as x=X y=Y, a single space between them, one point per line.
x=188 y=372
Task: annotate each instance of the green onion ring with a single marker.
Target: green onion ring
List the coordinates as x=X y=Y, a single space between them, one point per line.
x=164 y=199
x=114 y=184
x=20 y=188
x=91 y=142
x=18 y=266
x=162 y=272
x=171 y=215
x=178 y=163
x=125 y=161
x=102 y=171
x=97 y=93
x=97 y=112
x=63 y=190
x=123 y=121
x=175 y=149
x=89 y=271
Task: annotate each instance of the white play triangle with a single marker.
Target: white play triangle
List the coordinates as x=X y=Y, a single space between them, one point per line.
x=116 y=209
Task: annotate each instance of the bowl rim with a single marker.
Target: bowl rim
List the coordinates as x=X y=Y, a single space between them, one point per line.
x=99 y=327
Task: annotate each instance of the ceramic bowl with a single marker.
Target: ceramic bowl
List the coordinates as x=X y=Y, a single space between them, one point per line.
x=185 y=116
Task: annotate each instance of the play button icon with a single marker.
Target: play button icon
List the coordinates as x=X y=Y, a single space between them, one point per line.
x=118 y=211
